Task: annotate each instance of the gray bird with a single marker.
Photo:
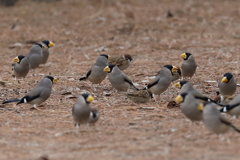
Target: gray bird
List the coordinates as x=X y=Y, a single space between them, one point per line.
x=45 y=52
x=214 y=120
x=81 y=110
x=228 y=85
x=96 y=74
x=122 y=61
x=94 y=116
x=233 y=107
x=140 y=96
x=20 y=67
x=186 y=87
x=118 y=79
x=189 y=65
x=175 y=75
x=162 y=81
x=35 y=55
x=38 y=94
x=189 y=106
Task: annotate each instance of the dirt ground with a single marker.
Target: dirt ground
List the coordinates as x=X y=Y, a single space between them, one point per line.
x=155 y=33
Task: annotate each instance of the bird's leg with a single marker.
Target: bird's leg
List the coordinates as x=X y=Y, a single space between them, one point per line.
x=77 y=125
x=35 y=106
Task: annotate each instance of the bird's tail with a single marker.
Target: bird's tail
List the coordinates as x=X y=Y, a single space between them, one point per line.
x=205 y=99
x=83 y=78
x=135 y=87
x=226 y=108
x=235 y=128
x=10 y=101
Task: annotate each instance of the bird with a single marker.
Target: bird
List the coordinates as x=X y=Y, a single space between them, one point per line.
x=189 y=106
x=175 y=75
x=162 y=81
x=228 y=85
x=186 y=87
x=214 y=120
x=94 y=116
x=118 y=79
x=81 y=110
x=35 y=55
x=38 y=94
x=45 y=52
x=122 y=61
x=96 y=74
x=233 y=107
x=189 y=65
x=140 y=96
x=20 y=67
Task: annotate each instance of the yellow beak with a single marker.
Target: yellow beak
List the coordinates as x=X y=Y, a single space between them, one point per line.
x=183 y=55
x=16 y=60
x=178 y=99
x=55 y=80
x=107 y=69
x=224 y=79
x=51 y=44
x=90 y=98
x=174 y=69
x=177 y=85
x=200 y=107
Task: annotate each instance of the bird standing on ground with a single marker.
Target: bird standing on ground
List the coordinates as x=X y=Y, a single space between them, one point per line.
x=162 y=81
x=228 y=85
x=189 y=65
x=122 y=61
x=38 y=94
x=214 y=120
x=96 y=74
x=45 y=53
x=118 y=79
x=233 y=107
x=176 y=75
x=81 y=110
x=186 y=87
x=94 y=116
x=20 y=67
x=140 y=96
x=189 y=106
x=35 y=55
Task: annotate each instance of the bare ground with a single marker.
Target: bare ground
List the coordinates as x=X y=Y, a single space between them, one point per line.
x=82 y=30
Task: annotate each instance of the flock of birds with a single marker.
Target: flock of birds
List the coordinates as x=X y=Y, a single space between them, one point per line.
x=193 y=104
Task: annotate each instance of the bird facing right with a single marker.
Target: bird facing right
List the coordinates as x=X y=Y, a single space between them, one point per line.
x=162 y=81
x=45 y=52
x=81 y=110
x=140 y=96
x=189 y=65
x=35 y=55
x=96 y=74
x=38 y=94
x=122 y=61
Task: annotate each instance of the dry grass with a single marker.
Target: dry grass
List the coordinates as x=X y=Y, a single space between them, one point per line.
x=84 y=29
